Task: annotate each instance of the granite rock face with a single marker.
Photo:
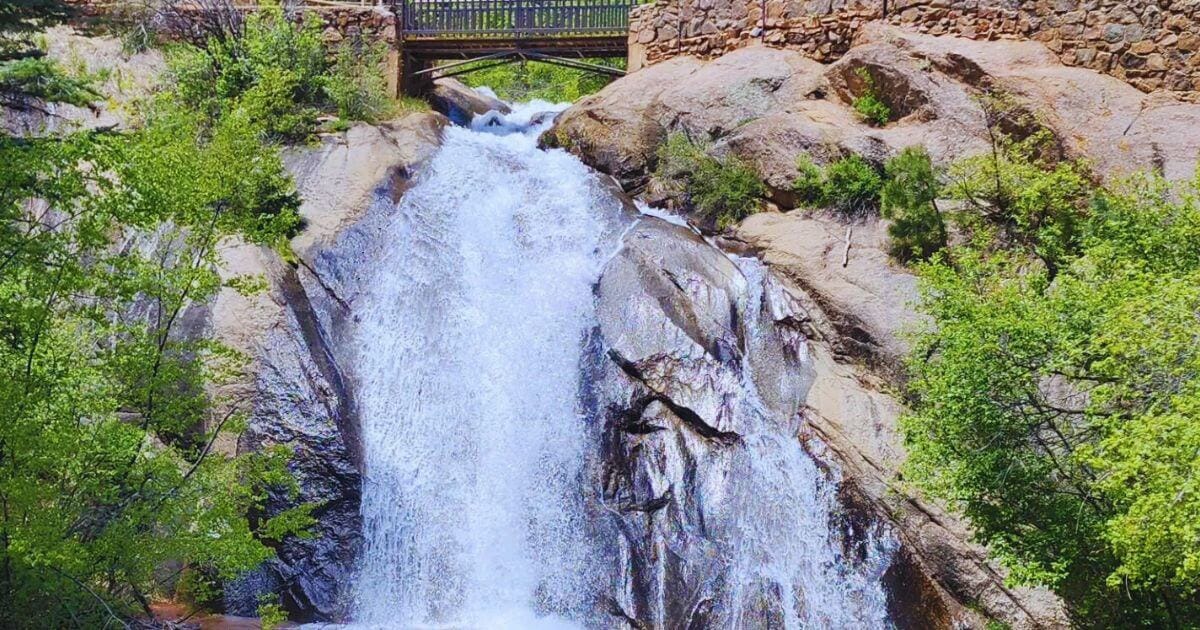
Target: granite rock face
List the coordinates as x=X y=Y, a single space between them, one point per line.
x=682 y=329
x=768 y=105
x=1150 y=44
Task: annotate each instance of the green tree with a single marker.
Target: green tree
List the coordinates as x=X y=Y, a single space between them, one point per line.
x=1055 y=404
x=1020 y=191
x=109 y=470
x=107 y=462
x=909 y=200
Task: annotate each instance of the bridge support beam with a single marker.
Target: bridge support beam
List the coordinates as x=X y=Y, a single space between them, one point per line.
x=405 y=76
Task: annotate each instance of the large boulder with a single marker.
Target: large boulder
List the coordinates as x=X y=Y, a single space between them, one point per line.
x=614 y=129
x=769 y=105
x=461 y=103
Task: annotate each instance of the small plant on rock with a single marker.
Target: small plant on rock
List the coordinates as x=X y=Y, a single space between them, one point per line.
x=869 y=104
x=850 y=185
x=724 y=190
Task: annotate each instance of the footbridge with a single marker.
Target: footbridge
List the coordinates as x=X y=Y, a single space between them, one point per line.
x=441 y=38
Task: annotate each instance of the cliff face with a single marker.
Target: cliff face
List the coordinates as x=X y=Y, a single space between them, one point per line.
x=766 y=106
x=1152 y=45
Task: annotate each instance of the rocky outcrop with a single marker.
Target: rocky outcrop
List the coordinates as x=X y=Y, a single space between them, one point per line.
x=1149 y=43
x=857 y=314
x=303 y=388
x=768 y=105
x=683 y=329
x=847 y=299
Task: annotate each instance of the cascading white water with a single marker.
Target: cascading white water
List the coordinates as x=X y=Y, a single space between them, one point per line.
x=785 y=507
x=471 y=341
x=476 y=445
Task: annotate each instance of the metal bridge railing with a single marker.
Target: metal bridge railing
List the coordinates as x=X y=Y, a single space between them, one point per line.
x=421 y=19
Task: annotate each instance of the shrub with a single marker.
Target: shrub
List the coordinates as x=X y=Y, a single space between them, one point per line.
x=869 y=104
x=809 y=185
x=852 y=185
x=909 y=200
x=279 y=74
x=356 y=86
x=849 y=185
x=271 y=102
x=724 y=190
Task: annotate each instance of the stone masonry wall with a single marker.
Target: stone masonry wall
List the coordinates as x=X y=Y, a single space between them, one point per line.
x=367 y=22
x=1151 y=44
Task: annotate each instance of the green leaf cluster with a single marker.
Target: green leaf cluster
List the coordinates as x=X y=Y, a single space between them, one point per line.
x=114 y=457
x=108 y=462
x=908 y=199
x=723 y=190
x=1055 y=395
x=281 y=76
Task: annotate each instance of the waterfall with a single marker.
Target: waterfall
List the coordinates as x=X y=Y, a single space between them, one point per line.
x=469 y=359
x=479 y=500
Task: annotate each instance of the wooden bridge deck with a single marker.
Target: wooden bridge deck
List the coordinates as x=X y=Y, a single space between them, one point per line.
x=506 y=30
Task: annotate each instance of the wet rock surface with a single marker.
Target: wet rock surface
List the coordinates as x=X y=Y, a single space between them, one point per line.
x=682 y=330
x=767 y=106
x=303 y=388
x=461 y=103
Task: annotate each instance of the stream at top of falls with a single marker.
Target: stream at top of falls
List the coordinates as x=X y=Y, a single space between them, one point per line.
x=481 y=507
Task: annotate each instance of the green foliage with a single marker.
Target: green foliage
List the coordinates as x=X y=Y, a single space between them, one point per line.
x=724 y=190
x=869 y=104
x=270 y=613
x=852 y=185
x=356 y=83
x=809 y=185
x=278 y=74
x=1055 y=396
x=1020 y=198
x=107 y=466
x=849 y=185
x=275 y=73
x=41 y=78
x=532 y=80
x=909 y=200
x=109 y=470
